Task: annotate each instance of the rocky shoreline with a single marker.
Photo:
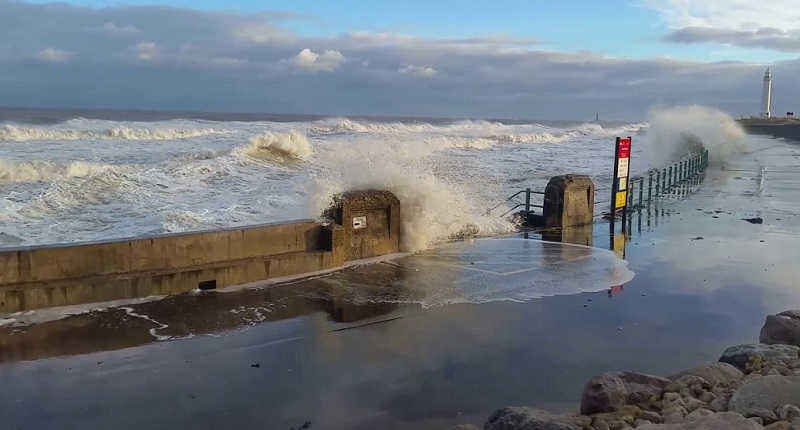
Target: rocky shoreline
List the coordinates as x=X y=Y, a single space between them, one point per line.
x=752 y=386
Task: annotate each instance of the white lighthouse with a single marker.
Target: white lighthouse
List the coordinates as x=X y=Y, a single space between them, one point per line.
x=766 y=95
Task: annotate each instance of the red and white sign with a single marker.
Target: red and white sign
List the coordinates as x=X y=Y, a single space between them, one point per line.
x=624 y=148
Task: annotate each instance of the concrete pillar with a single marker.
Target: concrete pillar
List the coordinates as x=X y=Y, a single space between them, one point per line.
x=569 y=201
x=371 y=222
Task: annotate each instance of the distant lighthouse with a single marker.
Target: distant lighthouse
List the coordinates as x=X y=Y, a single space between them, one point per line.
x=766 y=95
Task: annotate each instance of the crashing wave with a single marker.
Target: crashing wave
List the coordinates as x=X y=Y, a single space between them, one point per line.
x=278 y=147
x=14 y=133
x=36 y=170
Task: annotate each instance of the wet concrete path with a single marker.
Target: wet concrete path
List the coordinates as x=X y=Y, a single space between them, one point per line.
x=403 y=344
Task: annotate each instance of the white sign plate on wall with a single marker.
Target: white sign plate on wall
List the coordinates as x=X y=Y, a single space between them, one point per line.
x=359 y=222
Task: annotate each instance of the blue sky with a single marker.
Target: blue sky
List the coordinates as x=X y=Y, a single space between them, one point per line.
x=444 y=58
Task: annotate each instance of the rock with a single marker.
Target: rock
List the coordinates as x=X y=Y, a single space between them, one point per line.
x=714 y=374
x=607 y=392
x=641 y=422
x=757 y=420
x=651 y=416
x=524 y=418
x=756 y=220
x=720 y=404
x=686 y=381
x=788 y=412
x=693 y=404
x=749 y=358
x=783 y=328
x=600 y=424
x=464 y=427
x=761 y=396
x=718 y=421
x=707 y=397
x=780 y=425
x=674 y=414
x=699 y=413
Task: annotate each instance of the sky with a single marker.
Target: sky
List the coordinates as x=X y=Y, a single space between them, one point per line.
x=500 y=59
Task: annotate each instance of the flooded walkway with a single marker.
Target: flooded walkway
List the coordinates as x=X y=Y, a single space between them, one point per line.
x=435 y=339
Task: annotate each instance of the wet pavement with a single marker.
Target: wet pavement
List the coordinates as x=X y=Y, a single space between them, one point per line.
x=435 y=339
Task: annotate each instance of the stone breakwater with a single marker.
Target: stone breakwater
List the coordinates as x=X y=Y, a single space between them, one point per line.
x=754 y=386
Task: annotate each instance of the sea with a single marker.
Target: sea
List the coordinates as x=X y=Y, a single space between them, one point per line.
x=86 y=175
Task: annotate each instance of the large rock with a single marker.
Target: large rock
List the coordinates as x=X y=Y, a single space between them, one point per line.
x=718 y=421
x=748 y=358
x=762 y=396
x=715 y=373
x=783 y=328
x=525 y=418
x=609 y=391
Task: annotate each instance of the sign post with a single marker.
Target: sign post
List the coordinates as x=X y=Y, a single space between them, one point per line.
x=619 y=184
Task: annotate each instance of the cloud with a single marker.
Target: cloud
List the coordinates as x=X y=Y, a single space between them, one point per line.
x=112 y=28
x=146 y=51
x=769 y=38
x=420 y=71
x=771 y=25
x=309 y=61
x=262 y=33
x=53 y=55
x=210 y=60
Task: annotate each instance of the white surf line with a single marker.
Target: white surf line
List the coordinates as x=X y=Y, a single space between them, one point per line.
x=153 y=331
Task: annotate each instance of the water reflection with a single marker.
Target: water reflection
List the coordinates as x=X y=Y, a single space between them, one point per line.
x=477 y=271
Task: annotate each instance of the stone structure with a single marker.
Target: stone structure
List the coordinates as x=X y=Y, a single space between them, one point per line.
x=57 y=275
x=371 y=222
x=568 y=201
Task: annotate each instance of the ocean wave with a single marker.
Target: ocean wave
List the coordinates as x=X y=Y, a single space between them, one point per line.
x=36 y=170
x=346 y=125
x=516 y=133
x=15 y=133
x=281 y=147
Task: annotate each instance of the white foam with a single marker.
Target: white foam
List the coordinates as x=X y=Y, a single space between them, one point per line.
x=39 y=170
x=16 y=133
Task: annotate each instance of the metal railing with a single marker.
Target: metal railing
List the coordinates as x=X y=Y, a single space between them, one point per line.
x=527 y=205
x=674 y=180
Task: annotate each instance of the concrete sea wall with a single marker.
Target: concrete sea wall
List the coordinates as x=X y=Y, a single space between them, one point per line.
x=58 y=275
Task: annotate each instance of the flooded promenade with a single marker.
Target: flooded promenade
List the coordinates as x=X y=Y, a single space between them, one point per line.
x=432 y=339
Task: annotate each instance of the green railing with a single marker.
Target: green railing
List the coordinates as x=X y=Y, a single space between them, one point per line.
x=674 y=180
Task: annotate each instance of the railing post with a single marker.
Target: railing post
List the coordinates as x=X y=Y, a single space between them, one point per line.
x=641 y=191
x=658 y=182
x=527 y=204
x=669 y=178
x=649 y=185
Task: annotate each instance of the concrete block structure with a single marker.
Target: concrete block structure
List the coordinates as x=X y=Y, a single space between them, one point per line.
x=57 y=275
x=568 y=201
x=371 y=222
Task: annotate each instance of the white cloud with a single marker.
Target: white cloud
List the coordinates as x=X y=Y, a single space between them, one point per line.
x=745 y=15
x=261 y=33
x=53 y=55
x=773 y=24
x=309 y=61
x=420 y=71
x=110 y=27
x=146 y=51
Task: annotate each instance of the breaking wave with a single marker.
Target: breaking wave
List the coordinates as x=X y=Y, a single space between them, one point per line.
x=14 y=133
x=675 y=131
x=434 y=209
x=278 y=147
x=35 y=170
